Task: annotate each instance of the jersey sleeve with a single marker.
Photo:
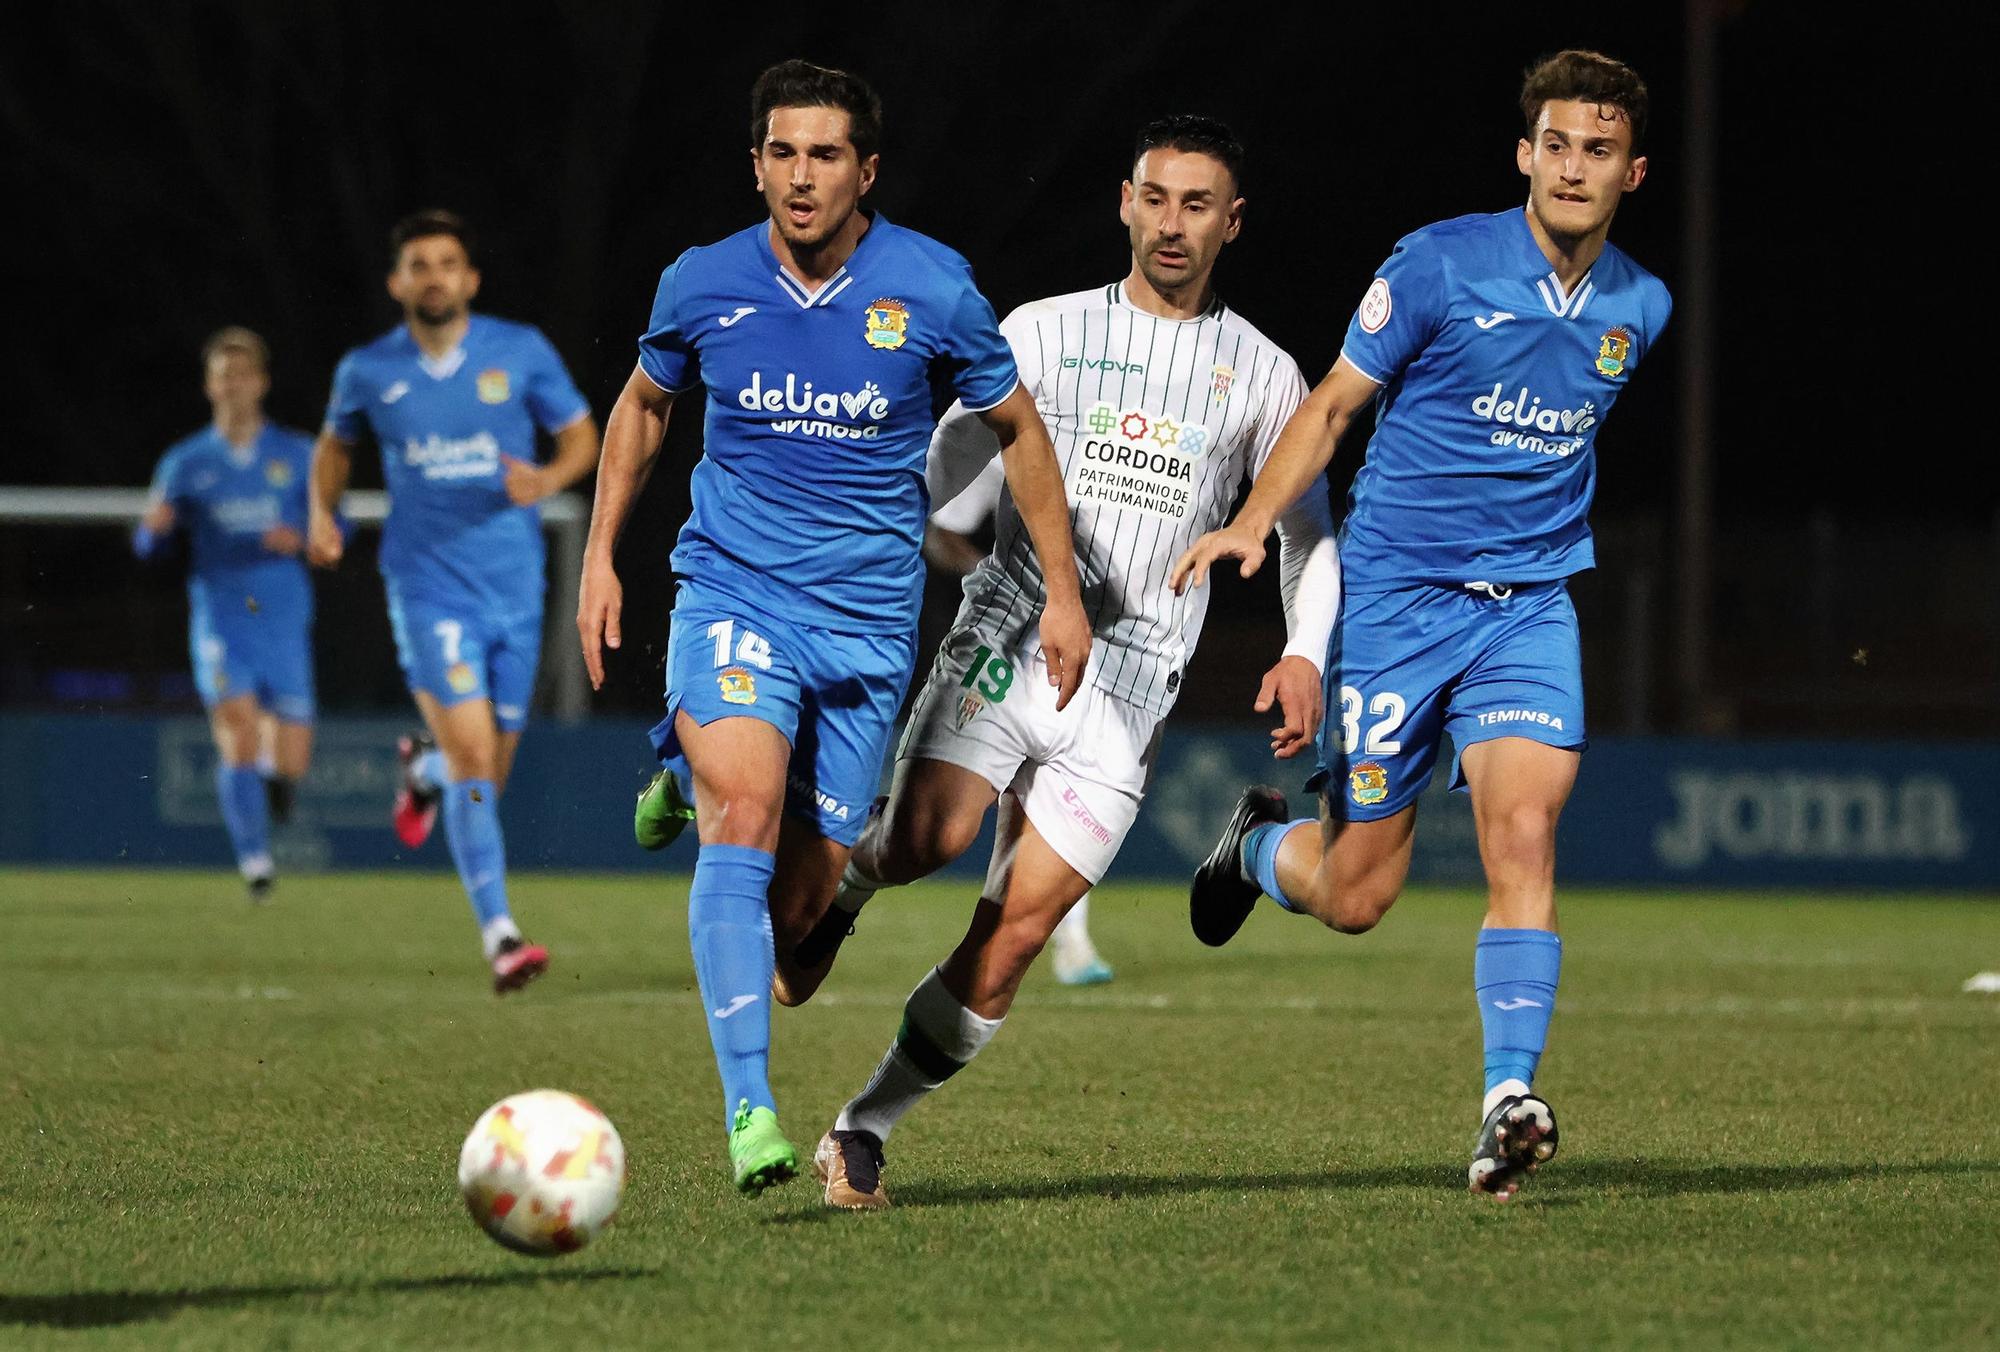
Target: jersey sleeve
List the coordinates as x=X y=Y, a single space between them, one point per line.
x=1400 y=313
x=1286 y=392
x=666 y=354
x=974 y=507
x=975 y=356
x=552 y=397
x=347 y=407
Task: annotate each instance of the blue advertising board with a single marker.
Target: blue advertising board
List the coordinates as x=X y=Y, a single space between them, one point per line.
x=1647 y=811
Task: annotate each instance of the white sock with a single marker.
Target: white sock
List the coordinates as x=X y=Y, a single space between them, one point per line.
x=1072 y=936
x=496 y=932
x=938 y=1036
x=856 y=886
x=255 y=867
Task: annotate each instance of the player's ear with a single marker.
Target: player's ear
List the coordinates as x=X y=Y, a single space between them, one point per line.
x=757 y=167
x=1125 y=202
x=472 y=283
x=1524 y=156
x=869 y=167
x=1235 y=226
x=1635 y=173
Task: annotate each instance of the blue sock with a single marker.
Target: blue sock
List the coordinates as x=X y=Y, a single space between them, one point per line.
x=1515 y=971
x=729 y=927
x=472 y=830
x=1260 y=857
x=427 y=771
x=240 y=790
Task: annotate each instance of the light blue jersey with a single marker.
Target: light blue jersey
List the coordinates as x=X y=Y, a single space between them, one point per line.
x=249 y=609
x=1495 y=383
x=809 y=499
x=444 y=424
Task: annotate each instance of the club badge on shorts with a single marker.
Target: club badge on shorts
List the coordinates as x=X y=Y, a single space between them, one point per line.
x=493 y=386
x=1367 y=784
x=888 y=324
x=737 y=686
x=969 y=706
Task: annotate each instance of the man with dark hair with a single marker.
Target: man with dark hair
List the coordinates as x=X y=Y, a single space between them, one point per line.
x=1492 y=348
x=238 y=488
x=1160 y=399
x=454 y=400
x=811 y=338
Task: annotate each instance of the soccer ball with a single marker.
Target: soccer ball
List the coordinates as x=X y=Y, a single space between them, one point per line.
x=542 y=1172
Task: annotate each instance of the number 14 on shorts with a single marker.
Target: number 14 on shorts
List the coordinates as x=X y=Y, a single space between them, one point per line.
x=751 y=650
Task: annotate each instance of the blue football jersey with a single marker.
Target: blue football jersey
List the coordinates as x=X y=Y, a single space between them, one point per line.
x=226 y=498
x=443 y=425
x=1494 y=385
x=809 y=498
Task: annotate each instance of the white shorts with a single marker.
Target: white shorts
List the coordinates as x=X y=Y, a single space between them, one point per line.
x=1079 y=774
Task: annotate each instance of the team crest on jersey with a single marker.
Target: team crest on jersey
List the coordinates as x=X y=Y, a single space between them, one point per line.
x=1367 y=784
x=278 y=474
x=1612 y=351
x=493 y=386
x=969 y=706
x=737 y=686
x=1219 y=381
x=459 y=676
x=888 y=324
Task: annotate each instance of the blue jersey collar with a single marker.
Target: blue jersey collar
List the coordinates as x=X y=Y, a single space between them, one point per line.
x=842 y=278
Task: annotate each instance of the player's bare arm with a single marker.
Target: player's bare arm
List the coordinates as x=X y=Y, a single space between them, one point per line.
x=332 y=464
x=1037 y=489
x=631 y=447
x=575 y=456
x=1304 y=448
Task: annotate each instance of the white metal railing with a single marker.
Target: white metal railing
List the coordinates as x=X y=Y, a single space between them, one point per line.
x=565 y=516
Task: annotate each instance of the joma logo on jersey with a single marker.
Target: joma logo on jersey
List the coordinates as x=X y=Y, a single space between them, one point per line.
x=1123 y=368
x=1521 y=716
x=799 y=397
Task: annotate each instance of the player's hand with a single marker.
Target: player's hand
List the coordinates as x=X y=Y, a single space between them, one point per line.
x=324 y=544
x=599 y=603
x=1065 y=647
x=1231 y=542
x=527 y=483
x=1294 y=686
x=284 y=540
x=159 y=518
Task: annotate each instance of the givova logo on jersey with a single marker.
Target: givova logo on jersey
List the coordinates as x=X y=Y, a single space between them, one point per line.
x=835 y=414
x=1522 y=416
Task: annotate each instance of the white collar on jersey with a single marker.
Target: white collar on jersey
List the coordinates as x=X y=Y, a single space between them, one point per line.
x=442 y=368
x=821 y=294
x=1565 y=306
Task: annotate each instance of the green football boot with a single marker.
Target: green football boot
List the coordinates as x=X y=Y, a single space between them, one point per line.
x=758 y=1151
x=662 y=814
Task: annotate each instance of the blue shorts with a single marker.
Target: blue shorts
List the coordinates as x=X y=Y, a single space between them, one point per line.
x=1408 y=665
x=454 y=651
x=253 y=657
x=833 y=696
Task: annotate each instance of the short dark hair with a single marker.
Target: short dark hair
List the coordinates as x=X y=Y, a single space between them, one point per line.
x=423 y=224
x=1191 y=133
x=801 y=84
x=1587 y=77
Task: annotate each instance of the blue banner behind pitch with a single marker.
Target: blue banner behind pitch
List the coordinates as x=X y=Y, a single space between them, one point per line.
x=140 y=791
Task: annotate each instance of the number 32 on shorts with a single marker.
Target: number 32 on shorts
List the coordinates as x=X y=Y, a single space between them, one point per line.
x=1388 y=710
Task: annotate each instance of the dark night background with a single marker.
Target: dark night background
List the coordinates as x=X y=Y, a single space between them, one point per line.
x=175 y=167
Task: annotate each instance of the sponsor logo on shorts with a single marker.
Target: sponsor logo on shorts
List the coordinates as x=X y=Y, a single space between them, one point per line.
x=1536 y=716
x=1096 y=829
x=831 y=806
x=461 y=678
x=888 y=324
x=1368 y=784
x=969 y=706
x=737 y=686
x=1612 y=351
x=1375 y=307
x=493 y=386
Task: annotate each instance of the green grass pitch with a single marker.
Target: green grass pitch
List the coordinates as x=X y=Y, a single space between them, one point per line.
x=228 y=1126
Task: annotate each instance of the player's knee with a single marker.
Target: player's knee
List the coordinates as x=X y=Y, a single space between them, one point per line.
x=1520 y=833
x=236 y=735
x=918 y=843
x=1359 y=907
x=743 y=817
